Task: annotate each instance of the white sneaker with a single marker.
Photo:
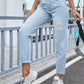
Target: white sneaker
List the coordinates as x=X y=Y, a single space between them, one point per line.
x=57 y=80
x=30 y=78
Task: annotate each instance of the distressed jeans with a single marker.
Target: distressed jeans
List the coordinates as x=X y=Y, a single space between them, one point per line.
x=47 y=9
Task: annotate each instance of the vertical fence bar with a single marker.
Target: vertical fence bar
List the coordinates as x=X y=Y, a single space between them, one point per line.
x=11 y=48
x=40 y=34
x=69 y=37
x=71 y=34
x=31 y=47
x=49 y=40
x=46 y=41
x=2 y=50
x=18 y=56
x=74 y=34
x=36 y=43
x=75 y=27
x=41 y=42
x=53 y=40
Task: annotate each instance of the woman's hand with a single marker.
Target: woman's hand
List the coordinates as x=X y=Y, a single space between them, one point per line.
x=35 y=4
x=76 y=14
x=30 y=13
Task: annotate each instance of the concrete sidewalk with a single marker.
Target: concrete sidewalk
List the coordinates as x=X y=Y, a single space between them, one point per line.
x=40 y=66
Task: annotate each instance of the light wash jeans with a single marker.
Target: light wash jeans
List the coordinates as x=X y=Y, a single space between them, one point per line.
x=57 y=10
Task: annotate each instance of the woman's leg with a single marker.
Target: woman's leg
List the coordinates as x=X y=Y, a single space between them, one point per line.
x=25 y=69
x=39 y=17
x=60 y=22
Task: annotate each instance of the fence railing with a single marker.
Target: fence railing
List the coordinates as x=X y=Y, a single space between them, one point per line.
x=42 y=44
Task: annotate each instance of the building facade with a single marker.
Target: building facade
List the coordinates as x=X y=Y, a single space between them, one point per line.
x=11 y=8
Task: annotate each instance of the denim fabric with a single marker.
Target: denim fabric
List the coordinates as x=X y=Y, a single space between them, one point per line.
x=57 y=10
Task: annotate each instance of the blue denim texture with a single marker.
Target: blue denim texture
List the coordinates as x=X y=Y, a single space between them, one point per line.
x=57 y=10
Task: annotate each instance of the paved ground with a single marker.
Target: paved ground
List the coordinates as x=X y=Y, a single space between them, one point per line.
x=74 y=73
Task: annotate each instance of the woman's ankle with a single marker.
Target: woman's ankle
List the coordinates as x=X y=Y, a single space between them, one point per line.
x=25 y=75
x=25 y=69
x=60 y=76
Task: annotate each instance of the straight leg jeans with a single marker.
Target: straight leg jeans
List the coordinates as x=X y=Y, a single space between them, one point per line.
x=57 y=10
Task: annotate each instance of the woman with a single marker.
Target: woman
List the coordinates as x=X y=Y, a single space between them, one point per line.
x=57 y=10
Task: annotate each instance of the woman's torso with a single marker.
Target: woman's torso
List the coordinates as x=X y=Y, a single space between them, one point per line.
x=52 y=4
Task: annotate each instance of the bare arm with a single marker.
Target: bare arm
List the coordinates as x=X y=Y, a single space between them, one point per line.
x=75 y=13
x=71 y=2
x=36 y=2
